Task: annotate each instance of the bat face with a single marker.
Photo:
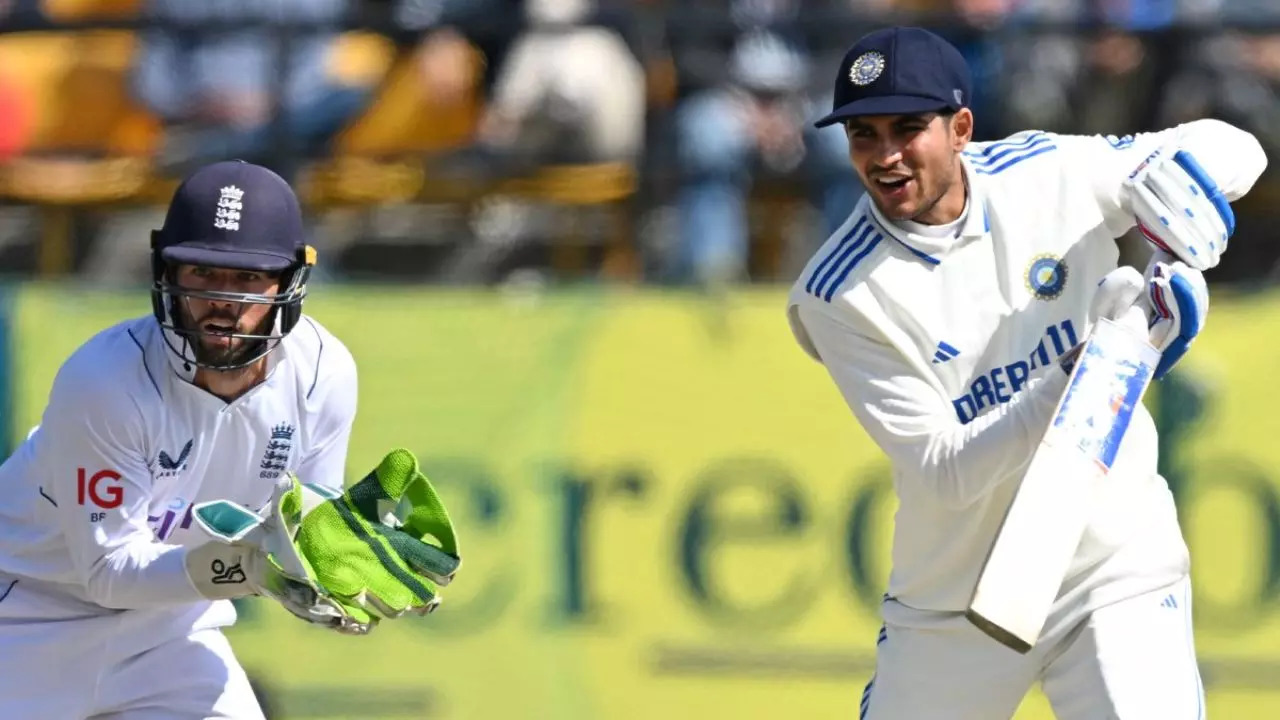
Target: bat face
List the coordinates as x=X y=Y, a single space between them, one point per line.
x=1043 y=526
x=1099 y=402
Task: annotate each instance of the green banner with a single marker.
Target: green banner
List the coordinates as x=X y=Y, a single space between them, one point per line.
x=666 y=509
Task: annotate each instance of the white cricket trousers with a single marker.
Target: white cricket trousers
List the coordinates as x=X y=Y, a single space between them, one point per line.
x=1133 y=660
x=120 y=667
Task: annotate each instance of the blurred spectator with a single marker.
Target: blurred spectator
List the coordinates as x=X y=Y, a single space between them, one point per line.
x=445 y=68
x=569 y=90
x=977 y=37
x=19 y=10
x=16 y=117
x=1208 y=13
x=1078 y=78
x=1118 y=87
x=1235 y=78
x=1231 y=74
x=443 y=34
x=745 y=116
x=225 y=88
x=703 y=35
x=16 y=111
x=560 y=82
x=733 y=86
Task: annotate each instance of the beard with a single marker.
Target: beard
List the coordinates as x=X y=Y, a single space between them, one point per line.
x=212 y=349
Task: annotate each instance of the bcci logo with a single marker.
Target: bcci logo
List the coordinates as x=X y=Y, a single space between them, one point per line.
x=1046 y=276
x=276 y=457
x=866 y=68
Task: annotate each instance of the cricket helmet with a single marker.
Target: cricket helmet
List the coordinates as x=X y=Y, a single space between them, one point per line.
x=239 y=216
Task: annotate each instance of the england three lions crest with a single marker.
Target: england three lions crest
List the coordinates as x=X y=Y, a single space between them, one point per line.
x=230 y=205
x=275 y=459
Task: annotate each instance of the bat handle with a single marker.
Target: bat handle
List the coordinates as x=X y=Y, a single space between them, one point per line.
x=1139 y=318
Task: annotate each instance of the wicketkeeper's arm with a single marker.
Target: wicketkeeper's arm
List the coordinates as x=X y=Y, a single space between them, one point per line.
x=96 y=490
x=331 y=409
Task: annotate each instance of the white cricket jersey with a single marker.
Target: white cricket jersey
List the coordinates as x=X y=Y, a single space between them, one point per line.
x=96 y=513
x=945 y=349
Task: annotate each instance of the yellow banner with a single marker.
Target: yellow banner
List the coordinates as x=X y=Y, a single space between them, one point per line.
x=666 y=509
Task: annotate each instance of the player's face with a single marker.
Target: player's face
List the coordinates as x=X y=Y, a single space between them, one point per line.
x=217 y=321
x=910 y=164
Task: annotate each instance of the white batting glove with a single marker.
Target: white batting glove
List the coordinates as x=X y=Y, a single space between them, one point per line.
x=1119 y=299
x=1118 y=291
x=1170 y=302
x=1179 y=300
x=1179 y=208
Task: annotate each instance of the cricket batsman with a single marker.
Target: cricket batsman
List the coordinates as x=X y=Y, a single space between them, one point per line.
x=196 y=455
x=947 y=311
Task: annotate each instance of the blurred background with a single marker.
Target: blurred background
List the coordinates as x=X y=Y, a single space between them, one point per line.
x=557 y=236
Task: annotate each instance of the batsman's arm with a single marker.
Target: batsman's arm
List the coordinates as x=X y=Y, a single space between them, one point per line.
x=95 y=477
x=917 y=427
x=1233 y=159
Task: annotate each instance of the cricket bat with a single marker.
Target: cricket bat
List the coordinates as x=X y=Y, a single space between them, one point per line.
x=1044 y=524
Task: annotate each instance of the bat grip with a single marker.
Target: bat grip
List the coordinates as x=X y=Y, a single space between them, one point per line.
x=1140 y=317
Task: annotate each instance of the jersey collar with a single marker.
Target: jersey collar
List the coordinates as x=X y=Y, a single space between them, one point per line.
x=933 y=250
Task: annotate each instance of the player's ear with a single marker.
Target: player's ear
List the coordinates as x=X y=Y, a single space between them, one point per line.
x=961 y=128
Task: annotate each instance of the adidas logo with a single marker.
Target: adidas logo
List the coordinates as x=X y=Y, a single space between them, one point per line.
x=1169 y=601
x=944 y=353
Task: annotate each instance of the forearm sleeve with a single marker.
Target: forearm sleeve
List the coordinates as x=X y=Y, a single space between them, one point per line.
x=1231 y=156
x=96 y=475
x=918 y=429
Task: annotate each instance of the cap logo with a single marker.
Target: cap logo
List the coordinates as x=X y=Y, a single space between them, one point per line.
x=959 y=96
x=866 y=68
x=229 y=207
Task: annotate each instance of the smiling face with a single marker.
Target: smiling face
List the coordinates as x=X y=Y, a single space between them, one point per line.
x=910 y=164
x=215 y=323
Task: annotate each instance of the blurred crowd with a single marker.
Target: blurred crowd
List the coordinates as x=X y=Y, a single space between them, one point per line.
x=707 y=104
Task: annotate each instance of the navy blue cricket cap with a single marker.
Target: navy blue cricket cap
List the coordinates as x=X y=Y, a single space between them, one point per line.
x=233 y=214
x=900 y=71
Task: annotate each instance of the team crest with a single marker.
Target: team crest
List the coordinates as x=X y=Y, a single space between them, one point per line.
x=276 y=458
x=227 y=216
x=866 y=68
x=1046 y=276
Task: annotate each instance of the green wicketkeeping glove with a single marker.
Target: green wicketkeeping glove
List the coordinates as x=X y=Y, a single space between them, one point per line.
x=378 y=550
x=384 y=546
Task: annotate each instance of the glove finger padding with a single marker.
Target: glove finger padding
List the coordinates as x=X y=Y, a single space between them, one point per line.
x=1180 y=300
x=1179 y=192
x=1169 y=230
x=1180 y=209
x=398 y=495
x=1198 y=180
x=372 y=547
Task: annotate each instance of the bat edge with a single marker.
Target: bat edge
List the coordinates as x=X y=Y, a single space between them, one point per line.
x=997 y=633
